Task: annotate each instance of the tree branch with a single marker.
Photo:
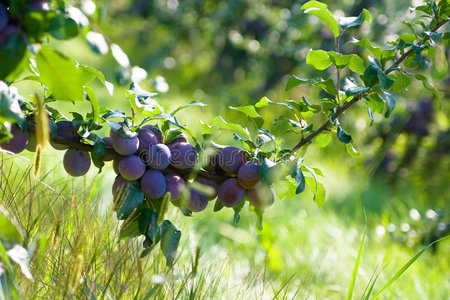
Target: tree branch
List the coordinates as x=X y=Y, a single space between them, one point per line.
x=355 y=99
x=77 y=144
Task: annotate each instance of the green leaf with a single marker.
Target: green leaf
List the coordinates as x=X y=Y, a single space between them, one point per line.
x=9 y=232
x=192 y=103
x=323 y=139
x=63 y=27
x=170 y=239
x=128 y=199
x=351 y=88
x=97 y=42
x=327 y=85
x=264 y=101
x=375 y=103
x=407 y=265
x=439 y=66
x=89 y=73
x=355 y=21
x=374 y=73
x=390 y=103
x=269 y=171
x=94 y=103
x=60 y=75
x=11 y=54
x=9 y=108
x=301 y=183
x=401 y=81
x=315 y=186
x=339 y=60
x=352 y=151
x=320 y=10
x=319 y=59
x=356 y=64
x=365 y=43
x=343 y=136
x=222 y=124
x=250 y=111
x=357 y=262
x=427 y=84
x=292 y=82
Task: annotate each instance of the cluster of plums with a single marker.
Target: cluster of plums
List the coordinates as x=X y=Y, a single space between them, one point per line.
x=159 y=167
x=9 y=26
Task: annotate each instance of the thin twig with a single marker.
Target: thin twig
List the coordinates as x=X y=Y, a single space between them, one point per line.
x=343 y=108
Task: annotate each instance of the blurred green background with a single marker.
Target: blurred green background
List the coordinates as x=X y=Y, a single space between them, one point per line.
x=233 y=53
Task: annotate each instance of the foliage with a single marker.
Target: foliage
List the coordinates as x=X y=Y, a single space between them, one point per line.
x=360 y=77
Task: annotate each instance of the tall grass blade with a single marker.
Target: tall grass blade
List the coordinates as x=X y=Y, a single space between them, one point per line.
x=407 y=265
x=358 y=260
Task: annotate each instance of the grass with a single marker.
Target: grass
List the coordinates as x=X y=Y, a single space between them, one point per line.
x=302 y=253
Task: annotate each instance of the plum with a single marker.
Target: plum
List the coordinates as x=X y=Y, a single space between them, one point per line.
x=261 y=197
x=153 y=184
x=119 y=184
x=125 y=146
x=76 y=162
x=180 y=139
x=183 y=155
x=131 y=167
x=113 y=133
x=108 y=144
x=231 y=193
x=158 y=157
x=230 y=159
x=196 y=202
x=116 y=162
x=248 y=175
x=175 y=186
x=146 y=138
x=18 y=142
x=66 y=130
x=212 y=159
x=214 y=187
x=156 y=131
x=4 y=18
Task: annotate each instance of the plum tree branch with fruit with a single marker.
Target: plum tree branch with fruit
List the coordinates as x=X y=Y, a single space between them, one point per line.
x=165 y=161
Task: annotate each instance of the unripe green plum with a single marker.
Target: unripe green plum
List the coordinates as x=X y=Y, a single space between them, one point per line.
x=183 y=155
x=76 y=162
x=261 y=197
x=230 y=159
x=153 y=184
x=131 y=167
x=197 y=201
x=175 y=186
x=231 y=193
x=18 y=142
x=248 y=175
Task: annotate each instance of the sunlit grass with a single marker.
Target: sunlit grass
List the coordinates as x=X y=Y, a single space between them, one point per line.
x=302 y=252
